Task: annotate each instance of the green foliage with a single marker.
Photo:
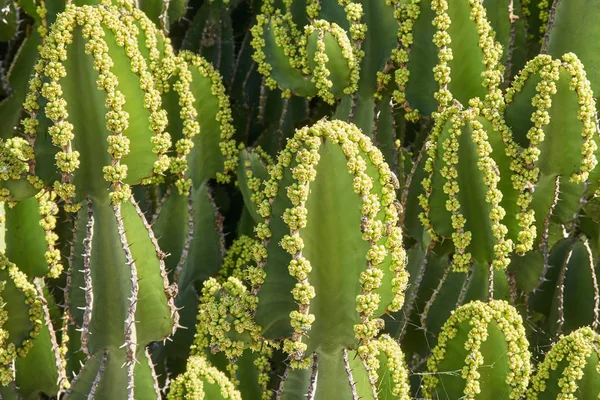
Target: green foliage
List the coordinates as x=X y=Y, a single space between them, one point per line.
x=287 y=199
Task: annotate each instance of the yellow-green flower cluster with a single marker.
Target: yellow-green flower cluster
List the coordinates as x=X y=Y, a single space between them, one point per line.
x=225 y=320
x=479 y=315
x=576 y=349
x=432 y=153
x=10 y=351
x=52 y=55
x=491 y=176
x=48 y=210
x=190 y=384
x=406 y=13
x=586 y=114
x=16 y=154
x=42 y=13
x=544 y=16
x=238 y=257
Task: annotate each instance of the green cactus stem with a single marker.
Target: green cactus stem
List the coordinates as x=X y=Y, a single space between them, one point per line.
x=569 y=370
x=474 y=337
x=469 y=160
x=439 y=25
x=326 y=62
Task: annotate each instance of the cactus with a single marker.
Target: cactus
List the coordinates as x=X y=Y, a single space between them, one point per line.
x=302 y=325
x=281 y=199
x=475 y=336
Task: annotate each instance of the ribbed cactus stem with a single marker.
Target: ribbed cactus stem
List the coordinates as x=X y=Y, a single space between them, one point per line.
x=569 y=370
x=87 y=277
x=474 y=324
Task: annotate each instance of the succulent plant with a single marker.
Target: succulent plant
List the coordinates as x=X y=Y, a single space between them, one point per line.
x=283 y=199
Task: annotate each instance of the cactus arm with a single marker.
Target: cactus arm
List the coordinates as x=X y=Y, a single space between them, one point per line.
x=378 y=43
x=460 y=147
x=333 y=156
x=477 y=55
x=23 y=226
x=43 y=361
x=203 y=128
x=173 y=227
x=566 y=113
x=88 y=379
x=18 y=77
x=470 y=340
x=64 y=105
x=146 y=381
x=568 y=296
x=155 y=308
x=573 y=20
x=340 y=250
x=205 y=248
x=569 y=369
x=422 y=60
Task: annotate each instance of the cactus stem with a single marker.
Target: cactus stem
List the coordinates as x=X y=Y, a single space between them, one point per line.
x=283 y=378
x=284 y=112
x=154 y=376
x=411 y=175
x=410 y=302
x=372 y=376
x=87 y=278
x=351 y=380
x=560 y=287
x=511 y=41
x=591 y=265
x=164 y=17
x=58 y=356
x=188 y=241
x=69 y=273
x=262 y=103
x=98 y=377
x=312 y=386
x=490 y=282
x=544 y=242
x=549 y=25
x=170 y=290
x=463 y=290
x=130 y=334
x=582 y=202
x=160 y=205
x=433 y=297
